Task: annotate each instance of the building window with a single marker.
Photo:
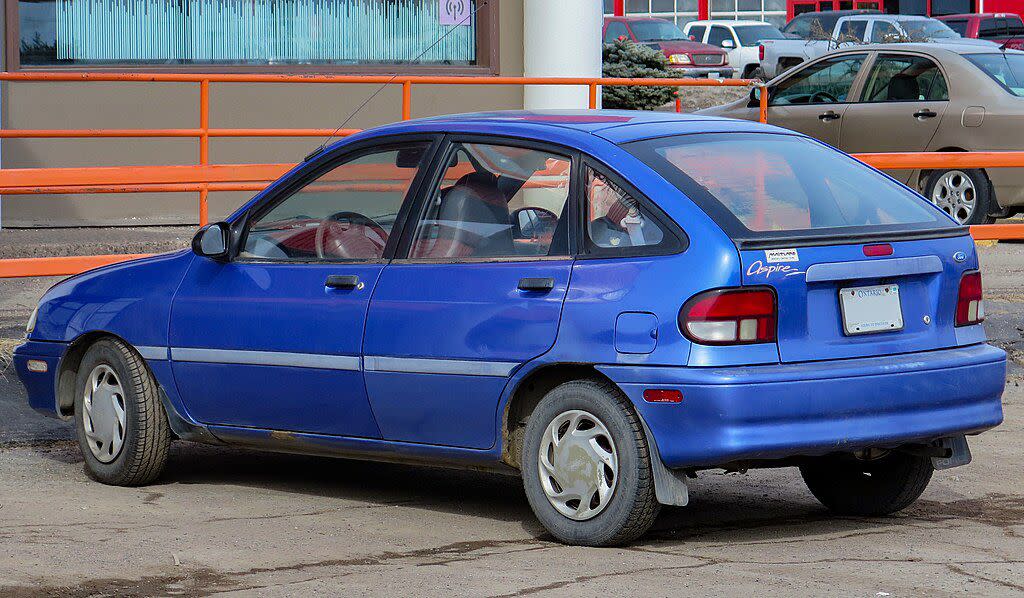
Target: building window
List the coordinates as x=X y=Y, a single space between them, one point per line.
x=251 y=33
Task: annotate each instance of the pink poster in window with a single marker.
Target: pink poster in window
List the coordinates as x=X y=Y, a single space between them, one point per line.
x=454 y=12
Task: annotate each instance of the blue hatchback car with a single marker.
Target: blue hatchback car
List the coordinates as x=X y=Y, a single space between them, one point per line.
x=606 y=301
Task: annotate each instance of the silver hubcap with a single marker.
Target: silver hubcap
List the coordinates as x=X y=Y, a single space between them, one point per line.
x=103 y=413
x=955 y=194
x=578 y=465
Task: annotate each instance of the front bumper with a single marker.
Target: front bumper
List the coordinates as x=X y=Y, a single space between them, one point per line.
x=721 y=72
x=787 y=410
x=41 y=387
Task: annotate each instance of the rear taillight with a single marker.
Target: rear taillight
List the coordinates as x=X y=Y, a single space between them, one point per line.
x=737 y=316
x=970 y=309
x=760 y=52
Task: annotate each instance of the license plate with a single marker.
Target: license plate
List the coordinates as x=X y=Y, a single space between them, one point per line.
x=713 y=75
x=871 y=309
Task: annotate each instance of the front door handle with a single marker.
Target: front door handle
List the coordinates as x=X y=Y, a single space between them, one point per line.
x=349 y=282
x=926 y=113
x=542 y=285
x=828 y=116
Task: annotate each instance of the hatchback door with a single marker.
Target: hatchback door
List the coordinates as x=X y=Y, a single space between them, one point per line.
x=902 y=103
x=814 y=100
x=478 y=292
x=272 y=338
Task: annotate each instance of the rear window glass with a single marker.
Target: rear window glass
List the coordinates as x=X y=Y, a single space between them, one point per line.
x=759 y=185
x=1007 y=69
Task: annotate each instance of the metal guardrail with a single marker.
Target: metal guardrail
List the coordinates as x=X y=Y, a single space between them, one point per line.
x=204 y=177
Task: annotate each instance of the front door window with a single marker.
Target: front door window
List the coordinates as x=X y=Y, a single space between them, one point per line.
x=825 y=82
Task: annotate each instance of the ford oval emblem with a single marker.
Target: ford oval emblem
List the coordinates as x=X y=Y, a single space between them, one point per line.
x=960 y=257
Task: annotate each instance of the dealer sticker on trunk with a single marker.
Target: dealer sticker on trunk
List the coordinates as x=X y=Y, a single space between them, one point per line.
x=778 y=256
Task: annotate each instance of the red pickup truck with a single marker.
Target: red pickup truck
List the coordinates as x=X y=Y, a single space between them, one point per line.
x=999 y=27
x=685 y=56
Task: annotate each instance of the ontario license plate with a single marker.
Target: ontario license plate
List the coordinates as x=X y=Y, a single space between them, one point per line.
x=867 y=310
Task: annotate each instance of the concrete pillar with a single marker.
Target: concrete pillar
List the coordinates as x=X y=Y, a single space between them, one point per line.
x=561 y=39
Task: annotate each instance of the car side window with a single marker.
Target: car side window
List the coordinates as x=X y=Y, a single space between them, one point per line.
x=853 y=31
x=824 y=82
x=896 y=78
x=697 y=32
x=615 y=219
x=496 y=201
x=347 y=213
x=884 y=32
x=718 y=35
x=614 y=31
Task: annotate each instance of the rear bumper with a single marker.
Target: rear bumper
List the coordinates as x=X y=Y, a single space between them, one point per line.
x=778 y=411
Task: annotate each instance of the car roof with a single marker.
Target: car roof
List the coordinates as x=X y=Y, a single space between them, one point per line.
x=572 y=127
x=728 y=22
x=978 y=15
x=635 y=19
x=839 y=13
x=932 y=48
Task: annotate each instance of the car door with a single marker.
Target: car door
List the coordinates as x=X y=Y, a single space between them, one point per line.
x=903 y=100
x=271 y=339
x=477 y=291
x=814 y=99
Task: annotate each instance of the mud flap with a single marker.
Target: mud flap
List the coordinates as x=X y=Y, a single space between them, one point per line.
x=959 y=453
x=669 y=486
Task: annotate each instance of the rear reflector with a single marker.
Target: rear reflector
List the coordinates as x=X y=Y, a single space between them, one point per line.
x=760 y=52
x=878 y=250
x=970 y=309
x=737 y=316
x=663 y=395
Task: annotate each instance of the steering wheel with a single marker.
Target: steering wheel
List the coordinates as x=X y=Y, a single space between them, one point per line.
x=818 y=96
x=350 y=235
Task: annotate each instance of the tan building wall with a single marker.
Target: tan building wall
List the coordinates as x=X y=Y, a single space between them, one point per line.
x=232 y=105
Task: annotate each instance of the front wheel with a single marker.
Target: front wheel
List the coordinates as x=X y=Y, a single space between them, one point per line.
x=122 y=428
x=966 y=195
x=586 y=466
x=848 y=485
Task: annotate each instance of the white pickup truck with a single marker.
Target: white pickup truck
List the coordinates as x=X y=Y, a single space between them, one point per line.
x=777 y=55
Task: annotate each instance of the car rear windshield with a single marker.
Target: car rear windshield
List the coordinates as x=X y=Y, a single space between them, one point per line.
x=1006 y=68
x=751 y=35
x=762 y=186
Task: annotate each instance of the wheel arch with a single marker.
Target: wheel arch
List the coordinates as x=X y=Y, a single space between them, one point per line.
x=67 y=369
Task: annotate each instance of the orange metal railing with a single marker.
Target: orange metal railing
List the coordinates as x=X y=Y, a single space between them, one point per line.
x=204 y=177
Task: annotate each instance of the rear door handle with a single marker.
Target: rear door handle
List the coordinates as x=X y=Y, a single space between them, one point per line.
x=338 y=281
x=542 y=285
x=827 y=116
x=926 y=113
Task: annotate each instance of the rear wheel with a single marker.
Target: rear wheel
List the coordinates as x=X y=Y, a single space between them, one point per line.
x=966 y=195
x=848 y=485
x=121 y=424
x=586 y=466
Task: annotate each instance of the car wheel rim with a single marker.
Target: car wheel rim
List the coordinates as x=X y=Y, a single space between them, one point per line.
x=103 y=413
x=956 y=195
x=578 y=465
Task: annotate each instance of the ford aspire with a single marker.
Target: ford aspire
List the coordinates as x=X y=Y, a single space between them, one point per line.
x=607 y=302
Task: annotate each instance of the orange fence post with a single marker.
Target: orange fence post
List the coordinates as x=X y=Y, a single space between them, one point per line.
x=204 y=146
x=763 y=102
x=593 y=96
x=406 y=100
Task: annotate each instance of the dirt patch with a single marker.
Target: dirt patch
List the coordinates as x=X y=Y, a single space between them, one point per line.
x=698 y=98
x=7 y=346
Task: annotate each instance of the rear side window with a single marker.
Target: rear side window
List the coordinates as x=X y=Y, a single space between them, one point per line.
x=1005 y=69
x=618 y=222
x=761 y=185
x=899 y=78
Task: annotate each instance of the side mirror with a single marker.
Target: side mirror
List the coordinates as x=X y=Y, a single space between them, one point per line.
x=692 y=38
x=755 y=95
x=212 y=241
x=728 y=43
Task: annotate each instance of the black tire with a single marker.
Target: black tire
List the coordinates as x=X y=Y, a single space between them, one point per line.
x=632 y=508
x=850 y=486
x=147 y=436
x=983 y=203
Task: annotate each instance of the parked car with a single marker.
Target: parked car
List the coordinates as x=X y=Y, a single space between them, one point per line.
x=690 y=58
x=1004 y=29
x=912 y=98
x=779 y=55
x=741 y=39
x=709 y=293
x=809 y=25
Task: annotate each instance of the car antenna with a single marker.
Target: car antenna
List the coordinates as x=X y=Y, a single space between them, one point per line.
x=323 y=146
x=1006 y=43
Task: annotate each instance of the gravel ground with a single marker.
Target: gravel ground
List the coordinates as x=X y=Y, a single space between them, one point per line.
x=226 y=521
